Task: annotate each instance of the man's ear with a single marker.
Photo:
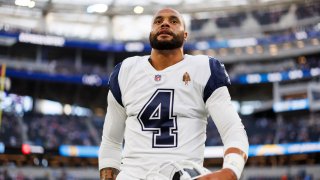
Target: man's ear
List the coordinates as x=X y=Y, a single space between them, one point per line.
x=185 y=36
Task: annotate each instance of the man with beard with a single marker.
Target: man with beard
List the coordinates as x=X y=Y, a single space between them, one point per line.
x=159 y=104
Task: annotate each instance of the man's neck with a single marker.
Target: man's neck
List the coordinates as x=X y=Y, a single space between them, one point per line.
x=161 y=59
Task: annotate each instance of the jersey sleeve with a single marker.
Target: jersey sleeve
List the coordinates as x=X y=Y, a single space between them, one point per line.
x=227 y=120
x=114 y=84
x=218 y=78
x=114 y=126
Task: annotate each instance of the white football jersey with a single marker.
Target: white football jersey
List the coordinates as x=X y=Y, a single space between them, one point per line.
x=165 y=112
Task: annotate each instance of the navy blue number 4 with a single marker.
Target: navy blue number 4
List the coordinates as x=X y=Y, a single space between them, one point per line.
x=157 y=116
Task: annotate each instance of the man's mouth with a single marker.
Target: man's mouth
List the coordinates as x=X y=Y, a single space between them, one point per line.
x=166 y=32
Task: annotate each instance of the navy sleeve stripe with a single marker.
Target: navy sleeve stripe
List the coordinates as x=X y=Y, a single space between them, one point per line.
x=114 y=84
x=217 y=79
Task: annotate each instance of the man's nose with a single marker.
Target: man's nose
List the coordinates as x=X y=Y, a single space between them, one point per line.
x=165 y=24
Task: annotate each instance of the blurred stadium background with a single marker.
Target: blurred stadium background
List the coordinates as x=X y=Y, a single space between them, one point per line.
x=56 y=57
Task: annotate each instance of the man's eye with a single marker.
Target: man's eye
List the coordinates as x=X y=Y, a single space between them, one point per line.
x=157 y=22
x=174 y=22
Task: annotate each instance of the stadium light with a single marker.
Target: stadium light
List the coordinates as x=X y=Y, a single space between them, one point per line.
x=138 y=9
x=97 y=8
x=67 y=109
x=26 y=3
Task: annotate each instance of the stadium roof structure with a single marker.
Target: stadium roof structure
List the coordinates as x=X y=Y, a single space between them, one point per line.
x=100 y=19
x=126 y=7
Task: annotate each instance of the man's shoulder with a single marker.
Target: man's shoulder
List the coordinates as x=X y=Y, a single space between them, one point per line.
x=198 y=61
x=201 y=58
x=201 y=61
x=133 y=61
x=127 y=64
x=198 y=57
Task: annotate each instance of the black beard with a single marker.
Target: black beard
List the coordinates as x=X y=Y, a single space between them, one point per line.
x=176 y=42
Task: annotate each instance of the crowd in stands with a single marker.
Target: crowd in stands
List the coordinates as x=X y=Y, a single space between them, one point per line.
x=301 y=175
x=53 y=130
x=266 y=17
x=10 y=130
x=267 y=130
x=300 y=63
x=299 y=129
x=261 y=16
x=67 y=67
x=5 y=174
x=259 y=131
x=308 y=11
x=98 y=124
x=62 y=60
x=197 y=24
x=232 y=20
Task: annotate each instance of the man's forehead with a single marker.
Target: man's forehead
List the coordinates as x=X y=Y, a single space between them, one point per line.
x=167 y=12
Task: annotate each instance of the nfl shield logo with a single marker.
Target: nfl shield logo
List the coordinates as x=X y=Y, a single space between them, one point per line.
x=157 y=77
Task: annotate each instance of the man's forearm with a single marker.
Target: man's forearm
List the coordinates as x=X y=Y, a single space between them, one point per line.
x=108 y=173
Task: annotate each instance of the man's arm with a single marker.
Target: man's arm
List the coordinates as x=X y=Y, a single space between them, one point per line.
x=232 y=133
x=226 y=173
x=112 y=138
x=108 y=173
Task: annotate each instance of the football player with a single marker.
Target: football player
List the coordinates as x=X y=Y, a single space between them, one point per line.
x=159 y=105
